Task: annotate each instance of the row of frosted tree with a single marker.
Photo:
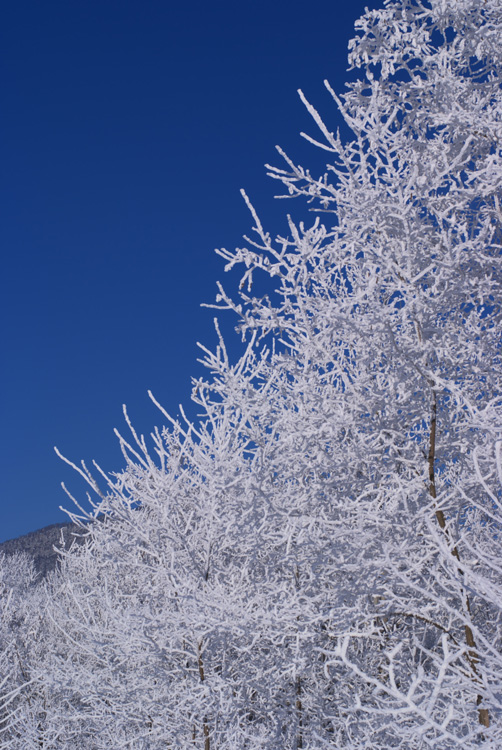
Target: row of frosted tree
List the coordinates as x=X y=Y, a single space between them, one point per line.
x=316 y=561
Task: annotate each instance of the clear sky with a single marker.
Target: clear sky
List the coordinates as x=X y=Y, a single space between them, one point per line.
x=127 y=128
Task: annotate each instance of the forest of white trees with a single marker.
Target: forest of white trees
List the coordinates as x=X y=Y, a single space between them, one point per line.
x=316 y=562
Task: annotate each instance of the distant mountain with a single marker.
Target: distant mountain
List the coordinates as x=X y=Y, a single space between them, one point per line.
x=40 y=544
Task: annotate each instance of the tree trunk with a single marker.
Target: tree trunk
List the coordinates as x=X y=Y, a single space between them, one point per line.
x=299 y=714
x=473 y=656
x=205 y=727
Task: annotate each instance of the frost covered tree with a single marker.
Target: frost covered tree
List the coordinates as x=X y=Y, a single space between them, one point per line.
x=404 y=292
x=391 y=320
x=16 y=577
x=27 y=718
x=317 y=562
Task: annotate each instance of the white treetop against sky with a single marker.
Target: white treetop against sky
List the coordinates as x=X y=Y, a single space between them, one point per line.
x=317 y=562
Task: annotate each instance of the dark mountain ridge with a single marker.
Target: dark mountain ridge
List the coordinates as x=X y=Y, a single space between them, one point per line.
x=41 y=545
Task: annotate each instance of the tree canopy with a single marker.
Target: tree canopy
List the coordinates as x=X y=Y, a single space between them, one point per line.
x=316 y=562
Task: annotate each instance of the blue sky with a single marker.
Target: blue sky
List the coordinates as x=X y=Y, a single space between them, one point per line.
x=127 y=130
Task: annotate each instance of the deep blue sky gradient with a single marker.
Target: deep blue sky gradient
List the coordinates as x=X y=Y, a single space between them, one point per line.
x=127 y=128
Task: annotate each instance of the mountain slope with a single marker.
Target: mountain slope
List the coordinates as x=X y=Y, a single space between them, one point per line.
x=41 y=544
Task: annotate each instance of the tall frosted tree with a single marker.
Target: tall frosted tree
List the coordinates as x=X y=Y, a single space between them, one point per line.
x=317 y=562
x=391 y=321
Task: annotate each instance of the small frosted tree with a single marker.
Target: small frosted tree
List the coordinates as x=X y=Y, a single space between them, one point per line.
x=26 y=708
x=16 y=576
x=317 y=562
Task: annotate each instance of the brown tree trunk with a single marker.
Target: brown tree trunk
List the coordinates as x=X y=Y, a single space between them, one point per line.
x=205 y=727
x=298 y=701
x=473 y=656
x=299 y=713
